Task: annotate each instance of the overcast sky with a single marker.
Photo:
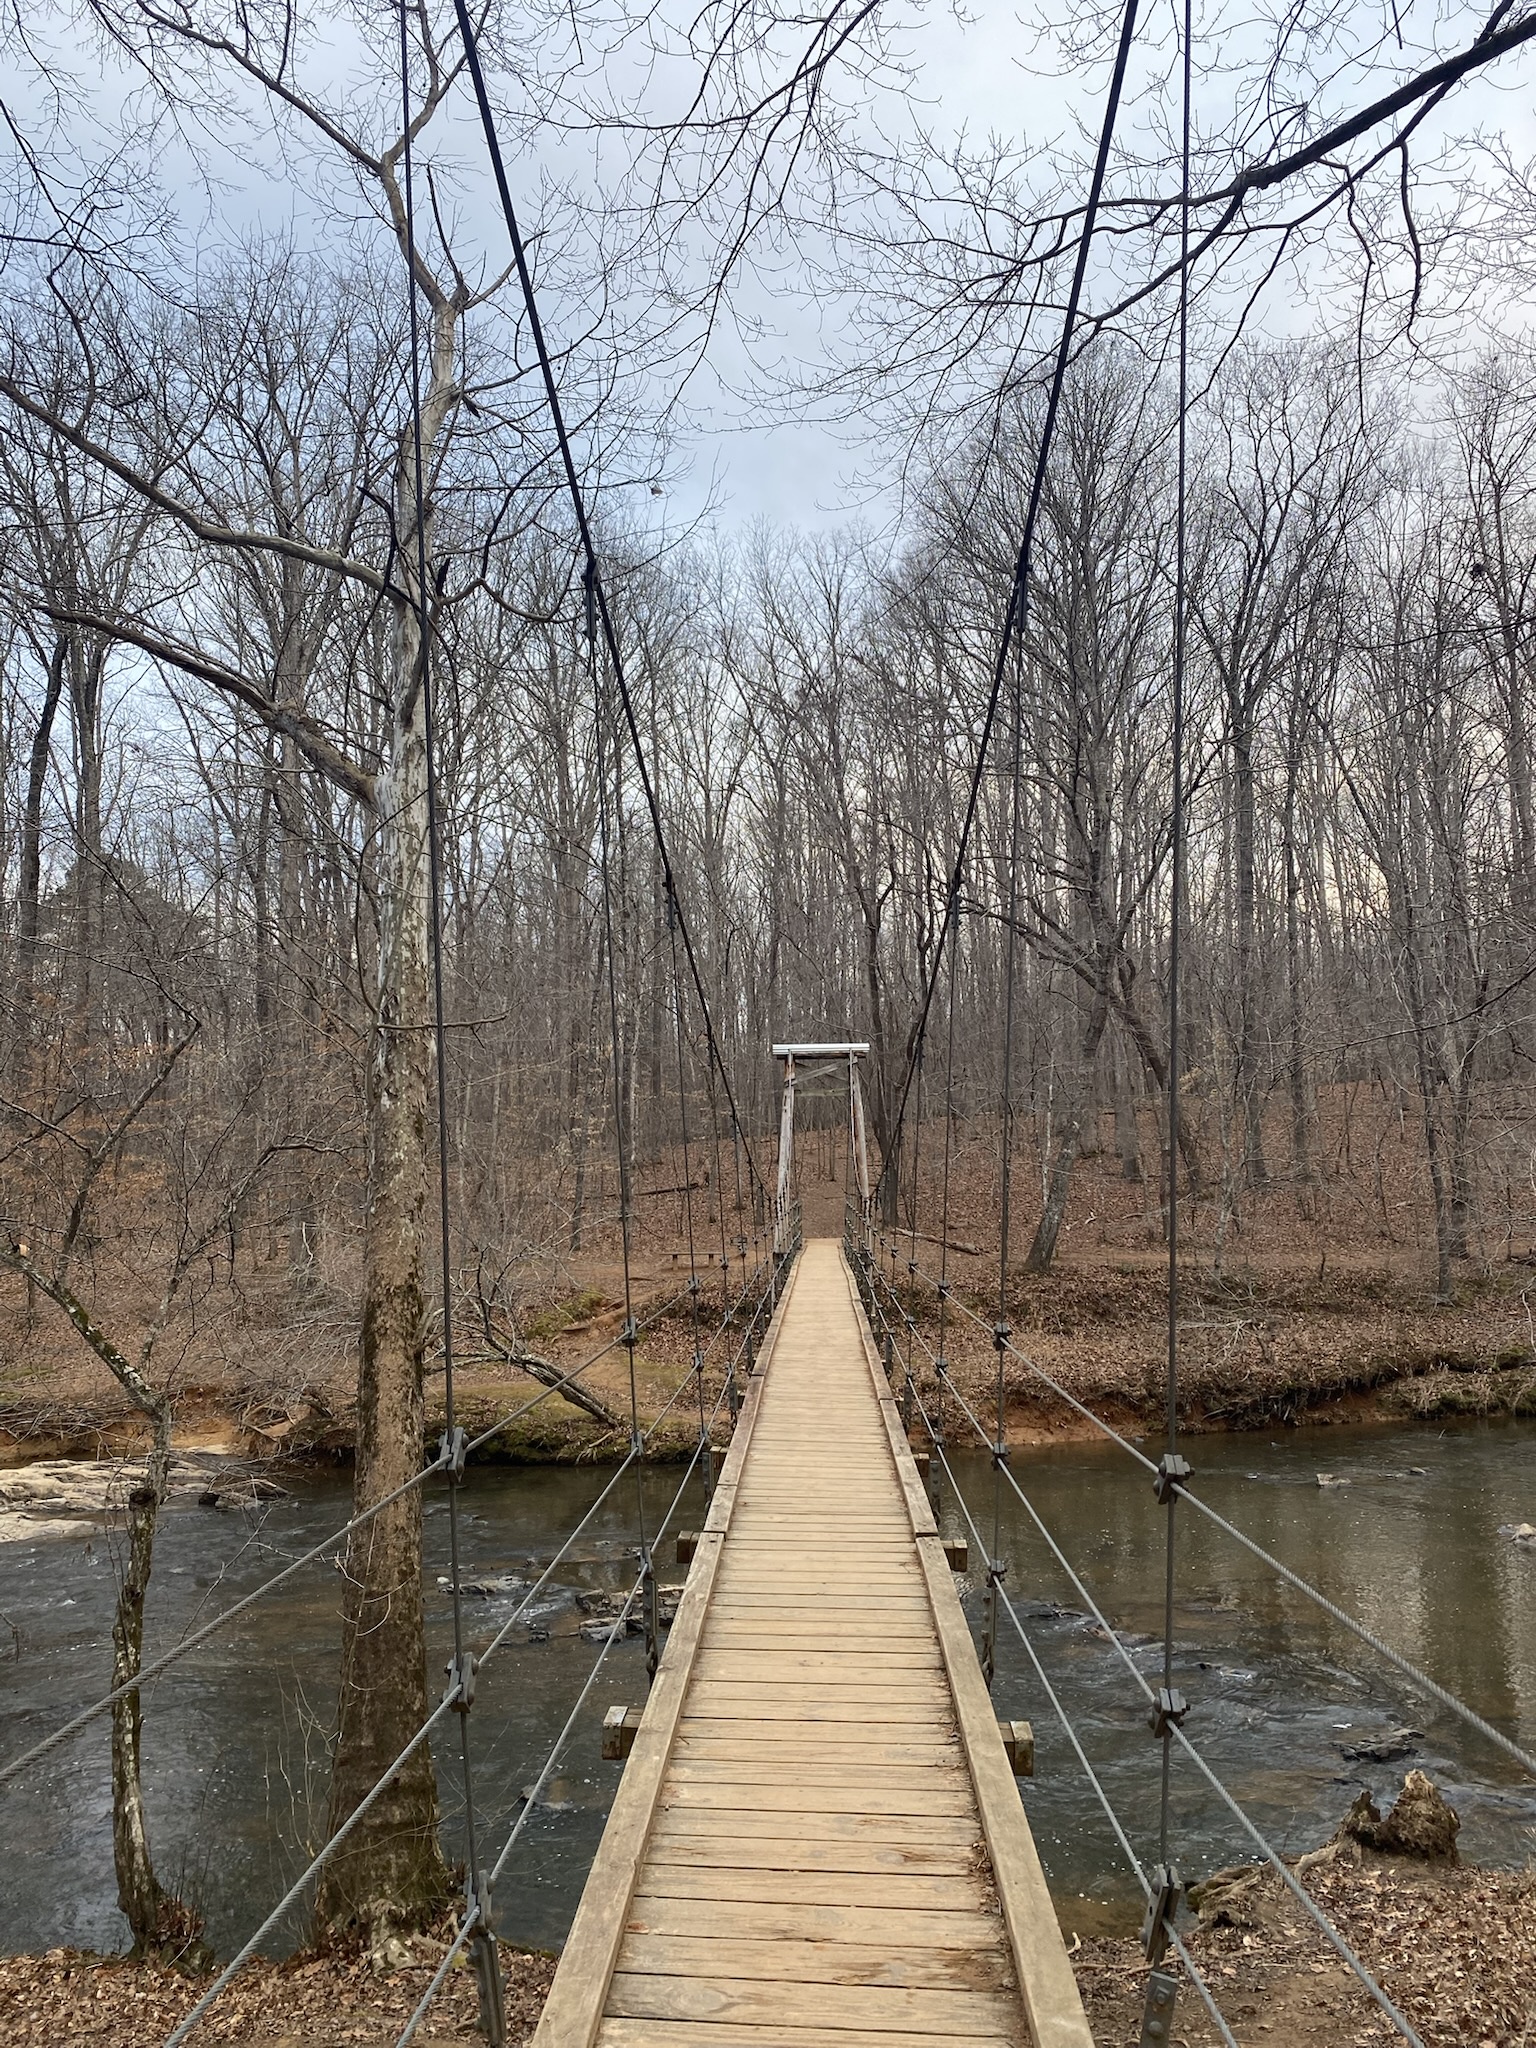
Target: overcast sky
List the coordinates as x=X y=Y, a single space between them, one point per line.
x=984 y=75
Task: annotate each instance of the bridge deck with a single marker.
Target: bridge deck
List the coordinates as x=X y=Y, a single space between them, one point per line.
x=818 y=1842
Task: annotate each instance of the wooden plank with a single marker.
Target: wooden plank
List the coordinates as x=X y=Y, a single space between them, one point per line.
x=829 y=1678
x=763 y=1707
x=752 y=1595
x=724 y=1795
x=804 y=1855
x=790 y=1964
x=876 y=1660
x=1052 y=2004
x=853 y=1767
x=830 y=1746
x=573 y=2008
x=919 y=1831
x=904 y=1891
x=745 y=2002
x=820 y=1630
x=834 y=1676
x=624 y=2033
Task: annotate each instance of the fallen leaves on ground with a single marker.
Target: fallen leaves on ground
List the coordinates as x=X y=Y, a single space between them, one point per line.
x=1456 y=1951
x=66 y=1999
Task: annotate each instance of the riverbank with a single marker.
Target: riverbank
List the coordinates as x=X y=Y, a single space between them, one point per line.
x=1261 y=1348
x=1456 y=1949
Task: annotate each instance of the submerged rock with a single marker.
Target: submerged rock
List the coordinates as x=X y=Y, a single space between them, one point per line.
x=1383 y=1749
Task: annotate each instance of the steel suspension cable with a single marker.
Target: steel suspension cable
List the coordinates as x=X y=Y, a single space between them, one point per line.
x=1015 y=615
x=630 y=1335
x=1170 y=1707
x=1309 y=1905
x=952 y=915
x=593 y=574
x=682 y=1112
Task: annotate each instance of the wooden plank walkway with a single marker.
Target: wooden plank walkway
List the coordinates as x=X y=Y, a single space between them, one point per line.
x=818 y=1841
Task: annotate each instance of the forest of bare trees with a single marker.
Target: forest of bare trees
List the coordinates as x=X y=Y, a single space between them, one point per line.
x=214 y=929
x=198 y=890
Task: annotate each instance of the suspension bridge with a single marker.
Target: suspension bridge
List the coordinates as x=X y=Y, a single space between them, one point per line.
x=818 y=1838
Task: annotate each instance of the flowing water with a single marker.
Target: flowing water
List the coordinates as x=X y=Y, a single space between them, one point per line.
x=235 y=1734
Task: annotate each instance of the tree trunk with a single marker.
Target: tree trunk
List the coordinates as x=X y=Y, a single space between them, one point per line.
x=1250 y=1102
x=161 y=1925
x=1296 y=1071
x=85 y=670
x=29 y=908
x=1127 y=1128
x=391 y=1873
x=1042 y=1250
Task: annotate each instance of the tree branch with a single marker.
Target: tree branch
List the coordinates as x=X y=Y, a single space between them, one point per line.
x=321 y=753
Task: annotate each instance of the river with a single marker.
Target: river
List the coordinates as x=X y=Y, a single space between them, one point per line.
x=1280 y=1693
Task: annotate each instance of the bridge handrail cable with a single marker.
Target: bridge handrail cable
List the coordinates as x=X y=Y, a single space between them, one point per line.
x=1436 y=1691
x=157 y=1665
x=1304 y=1898
x=449 y=1700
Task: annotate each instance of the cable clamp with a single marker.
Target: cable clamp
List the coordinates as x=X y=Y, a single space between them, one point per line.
x=941 y=1366
x=1172 y=1471
x=485 y=1960
x=912 y=1267
x=999 y=1457
x=451 y=1452
x=461 y=1669
x=943 y=1290
x=630 y=1334
x=1001 y=1332
x=636 y=1443
x=997 y=1570
x=1167 y=1890
x=1157 y=2014
x=1167 y=1710
x=698 y=1358
x=694 y=1283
